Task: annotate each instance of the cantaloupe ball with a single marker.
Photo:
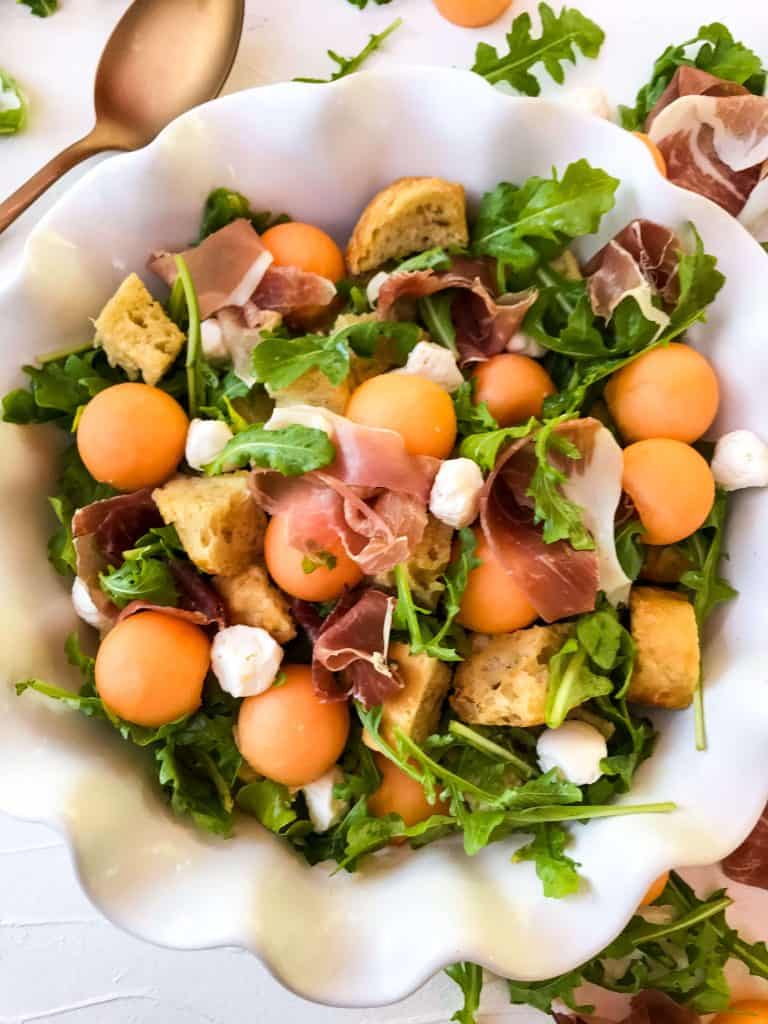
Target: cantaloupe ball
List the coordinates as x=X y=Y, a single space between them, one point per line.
x=513 y=387
x=150 y=668
x=655 y=152
x=672 y=488
x=309 y=577
x=306 y=247
x=744 y=1011
x=655 y=890
x=668 y=392
x=472 y=13
x=492 y=602
x=132 y=436
x=399 y=794
x=417 y=408
x=288 y=734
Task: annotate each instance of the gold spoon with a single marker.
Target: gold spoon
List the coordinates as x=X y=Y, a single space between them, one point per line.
x=164 y=57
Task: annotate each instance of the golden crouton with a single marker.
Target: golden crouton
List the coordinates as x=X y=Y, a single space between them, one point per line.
x=219 y=524
x=136 y=334
x=505 y=682
x=251 y=600
x=667 y=638
x=411 y=215
x=427 y=564
x=313 y=388
x=665 y=564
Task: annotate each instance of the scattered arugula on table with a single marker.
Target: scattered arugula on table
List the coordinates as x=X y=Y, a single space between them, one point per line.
x=560 y=33
x=13 y=109
x=41 y=8
x=685 y=959
x=719 y=54
x=348 y=65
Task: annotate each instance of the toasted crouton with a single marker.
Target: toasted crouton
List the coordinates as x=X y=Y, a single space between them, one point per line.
x=411 y=215
x=667 y=638
x=426 y=565
x=313 y=388
x=136 y=334
x=219 y=524
x=505 y=681
x=251 y=600
x=415 y=709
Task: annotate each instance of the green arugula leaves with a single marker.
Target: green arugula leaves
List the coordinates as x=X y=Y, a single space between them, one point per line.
x=719 y=54
x=291 y=450
x=471 y=417
x=41 y=8
x=59 y=387
x=348 y=65
x=558 y=872
x=140 y=579
x=560 y=33
x=561 y=518
x=469 y=978
x=224 y=205
x=704 y=551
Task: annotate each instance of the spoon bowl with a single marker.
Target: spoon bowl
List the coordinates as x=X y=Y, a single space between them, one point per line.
x=163 y=58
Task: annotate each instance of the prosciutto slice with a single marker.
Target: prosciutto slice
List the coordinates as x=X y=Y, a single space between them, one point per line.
x=349 y=657
x=288 y=290
x=226 y=268
x=117 y=523
x=688 y=81
x=714 y=145
x=749 y=863
x=641 y=261
x=484 y=326
x=557 y=580
x=649 y=1007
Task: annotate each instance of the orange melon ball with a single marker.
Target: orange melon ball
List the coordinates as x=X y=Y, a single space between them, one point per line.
x=668 y=392
x=132 y=436
x=513 y=387
x=419 y=410
x=655 y=890
x=150 y=668
x=492 y=602
x=331 y=571
x=472 y=13
x=306 y=247
x=399 y=794
x=672 y=488
x=288 y=734
x=744 y=1011
x=655 y=152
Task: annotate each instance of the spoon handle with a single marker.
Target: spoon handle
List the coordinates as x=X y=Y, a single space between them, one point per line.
x=23 y=197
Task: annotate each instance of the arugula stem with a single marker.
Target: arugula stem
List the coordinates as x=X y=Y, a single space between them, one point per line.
x=444 y=773
x=62 y=353
x=404 y=600
x=486 y=746
x=580 y=812
x=193 y=335
x=700 y=723
x=694 y=917
x=545 y=278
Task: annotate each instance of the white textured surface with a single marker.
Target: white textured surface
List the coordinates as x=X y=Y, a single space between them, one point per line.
x=57 y=957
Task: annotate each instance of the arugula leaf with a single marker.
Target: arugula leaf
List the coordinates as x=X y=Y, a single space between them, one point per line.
x=140 y=579
x=469 y=978
x=224 y=205
x=556 y=870
x=484 y=448
x=631 y=743
x=561 y=517
x=630 y=549
x=540 y=995
x=364 y=338
x=87 y=705
x=291 y=451
x=76 y=488
x=41 y=8
x=471 y=417
x=366 y=835
x=269 y=802
x=59 y=387
x=13 y=105
x=61 y=547
x=719 y=54
x=532 y=224
x=194 y=359
x=571 y=682
x=348 y=65
x=430 y=259
x=560 y=33
x=436 y=313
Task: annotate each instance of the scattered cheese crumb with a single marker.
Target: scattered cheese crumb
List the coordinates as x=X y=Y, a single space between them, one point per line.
x=436 y=363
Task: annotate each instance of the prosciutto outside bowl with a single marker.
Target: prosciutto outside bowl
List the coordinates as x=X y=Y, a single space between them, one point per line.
x=320 y=152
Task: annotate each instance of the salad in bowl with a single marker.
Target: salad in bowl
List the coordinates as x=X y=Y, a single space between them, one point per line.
x=382 y=545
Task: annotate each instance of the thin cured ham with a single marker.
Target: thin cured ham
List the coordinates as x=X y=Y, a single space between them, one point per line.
x=557 y=580
x=349 y=657
x=641 y=262
x=288 y=290
x=649 y=1007
x=688 y=81
x=714 y=145
x=226 y=268
x=117 y=523
x=484 y=325
x=749 y=863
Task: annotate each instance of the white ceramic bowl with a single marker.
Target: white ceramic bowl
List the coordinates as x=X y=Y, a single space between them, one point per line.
x=320 y=153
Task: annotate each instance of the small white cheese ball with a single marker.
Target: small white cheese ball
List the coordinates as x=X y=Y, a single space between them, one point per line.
x=212 y=340
x=740 y=460
x=323 y=807
x=245 y=660
x=436 y=363
x=455 y=496
x=374 y=286
x=84 y=606
x=589 y=99
x=303 y=416
x=576 y=748
x=205 y=440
